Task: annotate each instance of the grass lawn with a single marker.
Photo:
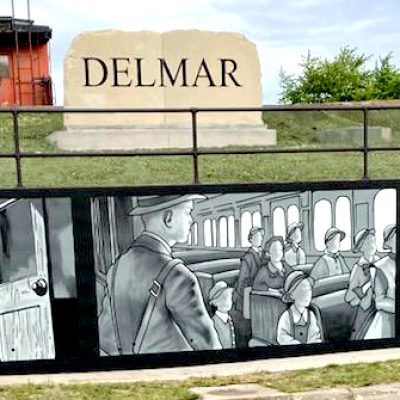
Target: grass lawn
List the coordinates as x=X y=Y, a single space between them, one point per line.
x=294 y=130
x=355 y=375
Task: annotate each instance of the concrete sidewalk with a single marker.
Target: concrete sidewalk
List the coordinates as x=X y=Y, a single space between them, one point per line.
x=226 y=369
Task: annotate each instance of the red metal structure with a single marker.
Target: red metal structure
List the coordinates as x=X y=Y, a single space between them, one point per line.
x=24 y=63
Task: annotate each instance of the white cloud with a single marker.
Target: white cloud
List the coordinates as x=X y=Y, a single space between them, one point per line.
x=282 y=31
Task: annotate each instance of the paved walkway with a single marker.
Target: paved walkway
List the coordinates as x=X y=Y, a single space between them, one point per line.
x=226 y=369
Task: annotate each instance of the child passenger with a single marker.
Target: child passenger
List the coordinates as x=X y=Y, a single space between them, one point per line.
x=298 y=324
x=220 y=299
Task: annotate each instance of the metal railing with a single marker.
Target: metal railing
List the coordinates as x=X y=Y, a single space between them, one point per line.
x=195 y=152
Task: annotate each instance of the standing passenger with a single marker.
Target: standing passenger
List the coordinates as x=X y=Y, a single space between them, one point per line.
x=383 y=325
x=250 y=264
x=360 y=293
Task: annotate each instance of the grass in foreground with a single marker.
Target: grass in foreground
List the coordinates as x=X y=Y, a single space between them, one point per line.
x=355 y=375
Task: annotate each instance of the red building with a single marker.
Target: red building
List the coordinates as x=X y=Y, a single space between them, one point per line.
x=24 y=63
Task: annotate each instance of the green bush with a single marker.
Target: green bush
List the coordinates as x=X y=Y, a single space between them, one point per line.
x=345 y=78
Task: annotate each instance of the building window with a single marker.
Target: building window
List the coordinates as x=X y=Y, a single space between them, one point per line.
x=256 y=219
x=293 y=214
x=214 y=233
x=245 y=226
x=223 y=232
x=343 y=220
x=207 y=233
x=231 y=231
x=279 y=222
x=322 y=222
x=195 y=240
x=384 y=213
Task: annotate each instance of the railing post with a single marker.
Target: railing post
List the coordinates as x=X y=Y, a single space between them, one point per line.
x=365 y=145
x=195 y=153
x=17 y=150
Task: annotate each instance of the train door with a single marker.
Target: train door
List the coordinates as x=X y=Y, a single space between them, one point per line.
x=26 y=329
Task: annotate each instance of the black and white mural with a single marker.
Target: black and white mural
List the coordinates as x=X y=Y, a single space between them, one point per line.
x=203 y=272
x=192 y=272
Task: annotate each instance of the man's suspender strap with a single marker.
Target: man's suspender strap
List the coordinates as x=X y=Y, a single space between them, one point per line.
x=154 y=293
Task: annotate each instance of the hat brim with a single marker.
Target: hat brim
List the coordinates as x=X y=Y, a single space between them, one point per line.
x=140 y=210
x=338 y=232
x=360 y=241
x=299 y=225
x=389 y=236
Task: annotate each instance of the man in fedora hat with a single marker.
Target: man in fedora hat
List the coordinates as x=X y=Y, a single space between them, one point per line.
x=156 y=302
x=250 y=264
x=293 y=253
x=331 y=262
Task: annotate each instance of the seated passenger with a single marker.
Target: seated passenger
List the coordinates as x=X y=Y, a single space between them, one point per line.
x=383 y=324
x=360 y=293
x=332 y=262
x=298 y=324
x=273 y=273
x=293 y=253
x=220 y=298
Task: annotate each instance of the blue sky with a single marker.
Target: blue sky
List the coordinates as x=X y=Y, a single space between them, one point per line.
x=282 y=30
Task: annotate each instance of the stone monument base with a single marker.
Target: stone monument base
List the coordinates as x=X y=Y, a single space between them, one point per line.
x=148 y=137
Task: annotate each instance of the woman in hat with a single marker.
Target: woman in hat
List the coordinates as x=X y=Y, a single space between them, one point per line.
x=273 y=273
x=383 y=324
x=293 y=253
x=220 y=299
x=298 y=324
x=360 y=293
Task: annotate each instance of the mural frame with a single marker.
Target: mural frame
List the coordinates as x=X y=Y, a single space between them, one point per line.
x=77 y=349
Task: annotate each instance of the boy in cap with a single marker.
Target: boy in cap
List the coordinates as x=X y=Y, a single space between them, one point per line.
x=220 y=299
x=156 y=303
x=360 y=293
x=293 y=253
x=250 y=264
x=332 y=262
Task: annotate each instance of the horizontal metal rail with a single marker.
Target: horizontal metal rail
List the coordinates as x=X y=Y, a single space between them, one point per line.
x=195 y=152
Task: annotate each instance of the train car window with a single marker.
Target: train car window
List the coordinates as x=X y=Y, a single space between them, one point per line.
x=194 y=232
x=256 y=218
x=293 y=214
x=223 y=232
x=214 y=232
x=207 y=233
x=245 y=226
x=384 y=213
x=231 y=231
x=279 y=222
x=343 y=220
x=322 y=222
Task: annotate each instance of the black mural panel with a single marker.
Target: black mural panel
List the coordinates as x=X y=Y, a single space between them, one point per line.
x=120 y=274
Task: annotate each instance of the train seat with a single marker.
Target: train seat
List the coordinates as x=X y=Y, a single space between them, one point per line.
x=306 y=268
x=216 y=266
x=266 y=308
x=330 y=284
x=198 y=255
x=336 y=314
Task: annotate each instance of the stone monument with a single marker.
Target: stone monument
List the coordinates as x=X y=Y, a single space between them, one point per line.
x=116 y=69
